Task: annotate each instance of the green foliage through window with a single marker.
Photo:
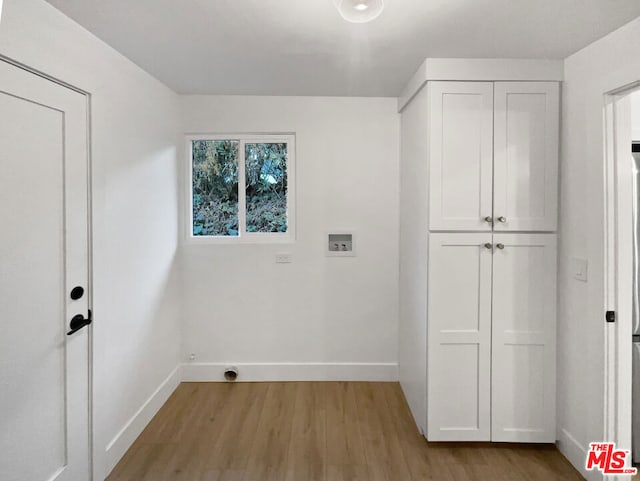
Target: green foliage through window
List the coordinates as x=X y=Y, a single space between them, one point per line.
x=215 y=187
x=266 y=187
x=215 y=174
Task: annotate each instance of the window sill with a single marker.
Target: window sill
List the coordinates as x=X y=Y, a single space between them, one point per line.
x=254 y=239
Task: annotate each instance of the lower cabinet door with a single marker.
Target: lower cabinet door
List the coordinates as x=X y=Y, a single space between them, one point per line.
x=459 y=337
x=523 y=338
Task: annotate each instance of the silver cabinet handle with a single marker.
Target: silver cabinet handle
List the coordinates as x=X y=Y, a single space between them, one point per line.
x=488 y=219
x=502 y=219
x=488 y=245
x=500 y=246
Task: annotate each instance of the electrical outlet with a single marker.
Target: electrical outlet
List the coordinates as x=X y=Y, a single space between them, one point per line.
x=284 y=258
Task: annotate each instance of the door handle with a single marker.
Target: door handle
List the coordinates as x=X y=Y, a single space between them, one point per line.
x=502 y=219
x=78 y=322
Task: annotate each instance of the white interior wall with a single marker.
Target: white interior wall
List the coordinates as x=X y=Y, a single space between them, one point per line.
x=607 y=64
x=414 y=184
x=318 y=317
x=635 y=115
x=136 y=305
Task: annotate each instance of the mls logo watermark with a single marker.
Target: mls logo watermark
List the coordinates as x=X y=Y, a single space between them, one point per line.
x=607 y=459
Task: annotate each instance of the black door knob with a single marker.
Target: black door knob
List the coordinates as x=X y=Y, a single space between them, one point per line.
x=77 y=293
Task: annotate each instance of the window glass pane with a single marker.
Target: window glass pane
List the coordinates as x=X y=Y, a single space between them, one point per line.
x=215 y=187
x=266 y=187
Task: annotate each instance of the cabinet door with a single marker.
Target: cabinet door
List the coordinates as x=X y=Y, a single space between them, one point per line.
x=460 y=155
x=459 y=337
x=523 y=338
x=526 y=156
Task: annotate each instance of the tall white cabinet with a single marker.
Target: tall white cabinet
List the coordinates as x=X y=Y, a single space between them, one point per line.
x=491 y=187
x=493 y=156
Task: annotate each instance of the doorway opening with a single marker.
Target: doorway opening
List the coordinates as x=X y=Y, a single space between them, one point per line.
x=622 y=246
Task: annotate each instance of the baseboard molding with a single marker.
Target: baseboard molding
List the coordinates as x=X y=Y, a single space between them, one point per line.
x=119 y=445
x=311 y=371
x=576 y=453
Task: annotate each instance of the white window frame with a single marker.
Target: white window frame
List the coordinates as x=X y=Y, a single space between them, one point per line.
x=243 y=237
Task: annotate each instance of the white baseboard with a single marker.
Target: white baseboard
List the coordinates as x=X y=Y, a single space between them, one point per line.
x=306 y=371
x=119 y=445
x=576 y=453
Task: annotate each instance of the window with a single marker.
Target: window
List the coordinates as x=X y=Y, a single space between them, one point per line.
x=241 y=188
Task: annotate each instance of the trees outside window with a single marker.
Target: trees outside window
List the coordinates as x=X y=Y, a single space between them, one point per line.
x=241 y=187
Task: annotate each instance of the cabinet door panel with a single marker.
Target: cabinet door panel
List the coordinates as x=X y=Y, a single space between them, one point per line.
x=526 y=155
x=523 y=338
x=460 y=155
x=459 y=336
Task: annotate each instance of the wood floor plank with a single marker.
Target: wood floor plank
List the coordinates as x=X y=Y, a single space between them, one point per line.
x=384 y=457
x=331 y=431
x=269 y=451
x=414 y=446
x=126 y=465
x=347 y=472
x=307 y=445
x=344 y=455
x=163 y=426
x=234 y=441
x=344 y=443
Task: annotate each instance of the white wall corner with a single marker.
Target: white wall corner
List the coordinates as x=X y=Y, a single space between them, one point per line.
x=415 y=83
x=119 y=445
x=257 y=372
x=417 y=407
x=576 y=453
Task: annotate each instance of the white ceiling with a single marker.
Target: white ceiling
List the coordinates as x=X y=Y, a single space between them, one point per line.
x=304 y=47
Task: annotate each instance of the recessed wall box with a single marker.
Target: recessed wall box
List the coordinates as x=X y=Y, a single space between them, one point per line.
x=340 y=244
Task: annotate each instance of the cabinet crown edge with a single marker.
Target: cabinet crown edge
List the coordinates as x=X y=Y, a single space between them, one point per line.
x=480 y=69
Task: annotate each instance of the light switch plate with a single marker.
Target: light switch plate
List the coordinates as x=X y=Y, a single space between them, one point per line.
x=284 y=258
x=579 y=269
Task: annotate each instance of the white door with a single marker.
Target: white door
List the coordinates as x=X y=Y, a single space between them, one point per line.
x=460 y=155
x=44 y=374
x=523 y=338
x=526 y=156
x=459 y=337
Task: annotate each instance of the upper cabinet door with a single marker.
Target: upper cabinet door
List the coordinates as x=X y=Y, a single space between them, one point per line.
x=526 y=156
x=460 y=155
x=523 y=338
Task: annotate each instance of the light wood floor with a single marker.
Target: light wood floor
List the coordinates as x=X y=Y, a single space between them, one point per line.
x=314 y=431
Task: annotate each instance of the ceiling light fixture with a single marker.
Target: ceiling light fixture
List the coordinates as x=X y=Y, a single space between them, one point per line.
x=359 y=11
